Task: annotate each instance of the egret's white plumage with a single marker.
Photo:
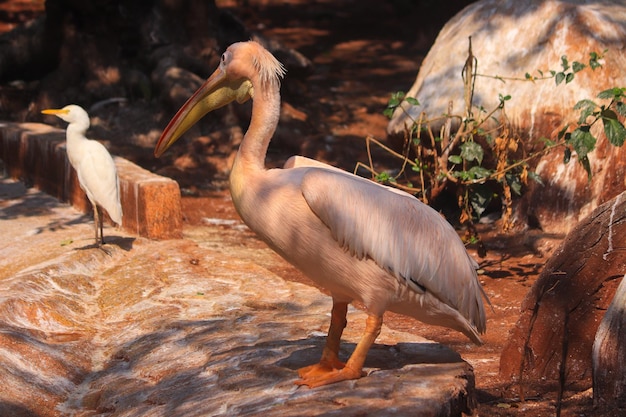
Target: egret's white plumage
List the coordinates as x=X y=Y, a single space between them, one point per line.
x=358 y=239
x=95 y=168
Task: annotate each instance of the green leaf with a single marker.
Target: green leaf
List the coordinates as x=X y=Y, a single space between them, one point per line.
x=395 y=99
x=504 y=98
x=462 y=175
x=577 y=66
x=585 y=104
x=559 y=77
x=606 y=94
x=393 y=102
x=608 y=114
x=587 y=108
x=594 y=60
x=612 y=93
x=535 y=177
x=480 y=197
x=567 y=155
x=472 y=151
x=477 y=172
x=412 y=101
x=455 y=159
x=621 y=108
x=514 y=182
x=383 y=177
x=582 y=141
x=613 y=128
x=564 y=63
x=569 y=77
x=594 y=64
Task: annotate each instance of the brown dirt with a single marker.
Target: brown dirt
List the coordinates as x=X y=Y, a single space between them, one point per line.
x=361 y=52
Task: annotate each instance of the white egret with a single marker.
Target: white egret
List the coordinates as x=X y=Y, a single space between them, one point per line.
x=358 y=239
x=94 y=166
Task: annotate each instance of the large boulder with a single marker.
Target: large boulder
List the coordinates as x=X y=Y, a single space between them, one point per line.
x=550 y=347
x=510 y=39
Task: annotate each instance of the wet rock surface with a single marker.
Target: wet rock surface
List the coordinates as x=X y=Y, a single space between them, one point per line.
x=176 y=328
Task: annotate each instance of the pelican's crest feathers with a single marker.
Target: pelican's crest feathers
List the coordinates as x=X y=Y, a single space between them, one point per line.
x=270 y=70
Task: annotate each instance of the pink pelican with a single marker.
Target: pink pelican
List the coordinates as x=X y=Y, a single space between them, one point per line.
x=357 y=239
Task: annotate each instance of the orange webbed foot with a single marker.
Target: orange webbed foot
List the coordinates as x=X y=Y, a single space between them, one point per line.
x=321 y=368
x=324 y=374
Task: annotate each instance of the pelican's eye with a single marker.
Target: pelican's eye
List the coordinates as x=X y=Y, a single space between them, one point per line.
x=226 y=56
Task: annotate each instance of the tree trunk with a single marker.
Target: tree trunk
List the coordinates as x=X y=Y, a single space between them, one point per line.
x=609 y=355
x=550 y=347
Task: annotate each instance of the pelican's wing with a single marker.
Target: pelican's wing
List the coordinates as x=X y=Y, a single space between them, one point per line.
x=298 y=161
x=400 y=233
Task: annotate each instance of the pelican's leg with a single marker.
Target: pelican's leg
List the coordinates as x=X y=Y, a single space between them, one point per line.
x=330 y=354
x=353 y=368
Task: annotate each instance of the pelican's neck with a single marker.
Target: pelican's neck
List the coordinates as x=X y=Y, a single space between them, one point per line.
x=250 y=158
x=265 y=115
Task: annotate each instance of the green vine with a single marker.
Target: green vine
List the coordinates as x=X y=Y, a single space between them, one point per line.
x=486 y=162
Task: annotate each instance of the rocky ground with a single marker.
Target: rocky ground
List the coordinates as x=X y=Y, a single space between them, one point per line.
x=361 y=52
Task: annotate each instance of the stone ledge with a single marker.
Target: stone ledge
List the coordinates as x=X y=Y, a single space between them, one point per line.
x=35 y=154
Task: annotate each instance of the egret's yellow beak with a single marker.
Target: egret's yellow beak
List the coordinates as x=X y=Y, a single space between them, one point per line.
x=216 y=92
x=55 y=111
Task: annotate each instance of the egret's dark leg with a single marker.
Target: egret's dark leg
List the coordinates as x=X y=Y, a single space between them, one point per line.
x=98 y=225
x=96 y=219
x=101 y=231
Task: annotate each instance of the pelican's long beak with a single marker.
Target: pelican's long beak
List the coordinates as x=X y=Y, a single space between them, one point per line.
x=55 y=111
x=216 y=92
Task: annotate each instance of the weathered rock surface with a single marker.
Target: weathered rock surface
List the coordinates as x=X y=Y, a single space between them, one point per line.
x=512 y=38
x=553 y=339
x=171 y=328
